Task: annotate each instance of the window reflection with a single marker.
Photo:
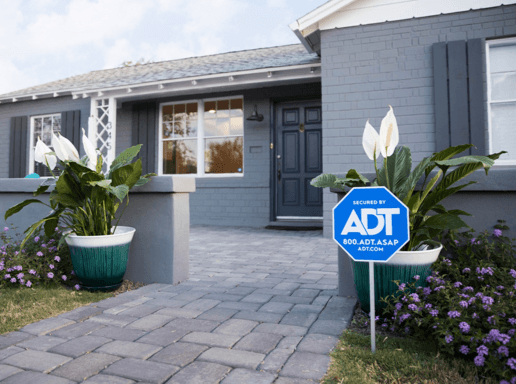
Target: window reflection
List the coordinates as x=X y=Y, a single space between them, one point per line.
x=180 y=157
x=224 y=155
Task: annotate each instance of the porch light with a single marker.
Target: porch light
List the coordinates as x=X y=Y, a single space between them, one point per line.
x=269 y=74
x=161 y=86
x=84 y=95
x=15 y=99
x=312 y=70
x=34 y=97
x=100 y=94
x=194 y=82
x=231 y=78
x=56 y=94
x=255 y=116
x=129 y=90
x=75 y=96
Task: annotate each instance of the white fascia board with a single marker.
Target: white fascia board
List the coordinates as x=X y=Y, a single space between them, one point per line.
x=318 y=14
x=134 y=87
x=366 y=12
x=215 y=83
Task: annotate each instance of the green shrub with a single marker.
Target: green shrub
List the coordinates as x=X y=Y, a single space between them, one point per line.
x=469 y=306
x=38 y=263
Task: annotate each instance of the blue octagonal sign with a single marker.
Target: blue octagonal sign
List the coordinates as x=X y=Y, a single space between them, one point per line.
x=371 y=224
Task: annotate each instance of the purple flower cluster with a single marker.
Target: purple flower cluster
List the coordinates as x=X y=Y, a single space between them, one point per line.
x=464 y=327
x=453 y=314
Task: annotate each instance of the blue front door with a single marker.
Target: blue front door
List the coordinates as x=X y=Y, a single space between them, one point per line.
x=298 y=160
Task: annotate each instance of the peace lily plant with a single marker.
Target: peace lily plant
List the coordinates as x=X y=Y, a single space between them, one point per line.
x=84 y=200
x=428 y=217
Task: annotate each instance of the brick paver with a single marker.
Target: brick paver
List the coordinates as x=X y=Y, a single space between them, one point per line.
x=260 y=306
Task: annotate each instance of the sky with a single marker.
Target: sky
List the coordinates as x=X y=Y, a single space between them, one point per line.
x=47 y=40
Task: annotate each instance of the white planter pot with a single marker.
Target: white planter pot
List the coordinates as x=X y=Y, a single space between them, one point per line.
x=415 y=257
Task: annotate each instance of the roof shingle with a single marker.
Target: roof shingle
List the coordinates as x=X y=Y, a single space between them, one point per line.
x=283 y=56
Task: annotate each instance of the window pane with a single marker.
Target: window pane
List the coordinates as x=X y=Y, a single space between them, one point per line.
x=210 y=110
x=42 y=170
x=224 y=155
x=222 y=109
x=180 y=157
x=56 y=123
x=502 y=58
x=46 y=134
x=179 y=126
x=237 y=126
x=210 y=127
x=503 y=121
x=222 y=127
x=503 y=86
x=38 y=122
x=168 y=118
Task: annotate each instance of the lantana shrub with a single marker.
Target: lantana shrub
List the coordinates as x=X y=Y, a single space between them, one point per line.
x=40 y=262
x=469 y=305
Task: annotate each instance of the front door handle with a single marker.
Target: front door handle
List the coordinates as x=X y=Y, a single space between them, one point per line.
x=279 y=174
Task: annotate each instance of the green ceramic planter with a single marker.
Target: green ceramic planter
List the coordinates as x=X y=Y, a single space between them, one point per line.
x=100 y=262
x=403 y=266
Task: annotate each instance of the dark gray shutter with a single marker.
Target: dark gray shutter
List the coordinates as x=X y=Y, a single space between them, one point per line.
x=71 y=127
x=459 y=95
x=18 y=152
x=144 y=132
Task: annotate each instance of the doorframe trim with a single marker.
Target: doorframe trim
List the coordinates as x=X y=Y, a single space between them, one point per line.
x=272 y=180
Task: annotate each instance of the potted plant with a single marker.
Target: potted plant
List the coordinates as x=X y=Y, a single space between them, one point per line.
x=84 y=204
x=422 y=190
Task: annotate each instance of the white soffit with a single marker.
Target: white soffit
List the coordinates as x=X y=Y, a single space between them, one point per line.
x=349 y=13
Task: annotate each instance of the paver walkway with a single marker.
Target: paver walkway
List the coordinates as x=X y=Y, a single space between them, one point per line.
x=259 y=307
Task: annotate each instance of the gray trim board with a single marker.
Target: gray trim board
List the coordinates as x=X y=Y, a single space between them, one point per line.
x=18 y=147
x=458 y=83
x=476 y=96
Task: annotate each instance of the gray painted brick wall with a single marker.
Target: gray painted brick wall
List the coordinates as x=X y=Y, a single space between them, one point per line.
x=366 y=68
x=33 y=108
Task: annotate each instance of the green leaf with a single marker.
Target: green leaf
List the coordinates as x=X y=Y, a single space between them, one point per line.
x=444 y=221
x=79 y=168
x=102 y=183
x=484 y=161
x=18 y=207
x=353 y=174
x=324 y=180
x=66 y=200
x=49 y=181
x=141 y=181
x=128 y=175
x=398 y=166
x=407 y=188
x=41 y=189
x=447 y=153
x=99 y=164
x=438 y=196
x=124 y=158
x=120 y=191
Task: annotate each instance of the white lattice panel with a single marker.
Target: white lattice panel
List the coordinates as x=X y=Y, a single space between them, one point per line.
x=102 y=128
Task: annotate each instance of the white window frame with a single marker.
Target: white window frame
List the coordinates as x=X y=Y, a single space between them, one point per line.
x=200 y=138
x=492 y=43
x=31 y=138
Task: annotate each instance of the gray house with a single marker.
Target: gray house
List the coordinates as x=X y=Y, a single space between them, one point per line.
x=254 y=127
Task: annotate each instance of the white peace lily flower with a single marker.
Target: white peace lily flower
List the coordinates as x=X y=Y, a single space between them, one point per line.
x=58 y=148
x=41 y=155
x=90 y=150
x=69 y=148
x=371 y=142
x=389 y=135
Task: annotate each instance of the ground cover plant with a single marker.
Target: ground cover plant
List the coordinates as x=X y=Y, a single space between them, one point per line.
x=469 y=305
x=397 y=361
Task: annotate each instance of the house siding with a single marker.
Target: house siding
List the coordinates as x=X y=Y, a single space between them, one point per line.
x=234 y=201
x=32 y=108
x=367 y=68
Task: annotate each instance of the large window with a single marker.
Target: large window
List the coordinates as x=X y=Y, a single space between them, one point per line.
x=42 y=126
x=501 y=67
x=202 y=137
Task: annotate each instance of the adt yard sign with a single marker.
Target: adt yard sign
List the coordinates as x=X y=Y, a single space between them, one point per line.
x=371 y=224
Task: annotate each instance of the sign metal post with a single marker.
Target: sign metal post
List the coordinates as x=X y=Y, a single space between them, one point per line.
x=371 y=224
x=371 y=299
